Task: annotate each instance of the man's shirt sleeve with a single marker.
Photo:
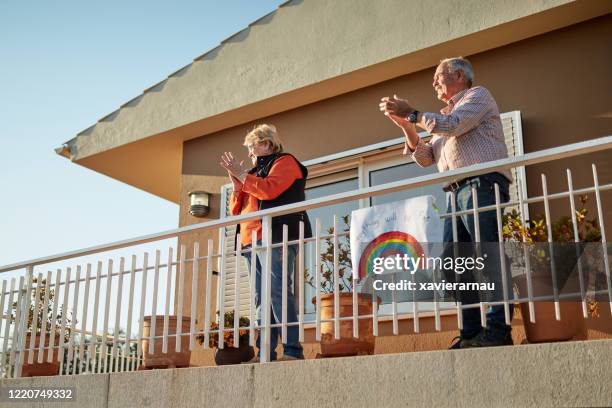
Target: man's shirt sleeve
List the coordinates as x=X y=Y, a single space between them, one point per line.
x=422 y=154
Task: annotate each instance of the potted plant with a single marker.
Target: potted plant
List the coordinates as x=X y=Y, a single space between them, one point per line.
x=564 y=255
x=230 y=354
x=46 y=318
x=171 y=359
x=346 y=345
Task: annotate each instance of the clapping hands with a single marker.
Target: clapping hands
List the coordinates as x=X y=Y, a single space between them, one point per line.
x=231 y=164
x=396 y=109
x=235 y=169
x=395 y=106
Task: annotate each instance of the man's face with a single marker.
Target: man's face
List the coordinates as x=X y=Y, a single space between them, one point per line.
x=446 y=83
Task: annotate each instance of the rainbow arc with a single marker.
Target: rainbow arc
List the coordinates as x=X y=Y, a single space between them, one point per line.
x=386 y=245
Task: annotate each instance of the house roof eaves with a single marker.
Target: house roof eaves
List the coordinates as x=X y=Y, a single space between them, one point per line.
x=294 y=71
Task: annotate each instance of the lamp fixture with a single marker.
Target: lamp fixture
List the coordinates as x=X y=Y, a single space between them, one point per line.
x=199 y=203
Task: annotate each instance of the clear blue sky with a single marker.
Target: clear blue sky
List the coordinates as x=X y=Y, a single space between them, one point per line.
x=63 y=66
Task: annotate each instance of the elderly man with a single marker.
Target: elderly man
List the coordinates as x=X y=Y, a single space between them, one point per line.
x=467 y=131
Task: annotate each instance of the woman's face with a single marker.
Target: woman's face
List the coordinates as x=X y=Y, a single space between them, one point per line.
x=258 y=149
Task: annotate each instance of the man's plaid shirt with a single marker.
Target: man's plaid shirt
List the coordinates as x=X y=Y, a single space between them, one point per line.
x=468 y=131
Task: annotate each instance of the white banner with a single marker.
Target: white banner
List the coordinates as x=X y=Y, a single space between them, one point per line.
x=387 y=230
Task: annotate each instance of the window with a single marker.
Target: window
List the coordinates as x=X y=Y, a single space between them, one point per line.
x=401 y=171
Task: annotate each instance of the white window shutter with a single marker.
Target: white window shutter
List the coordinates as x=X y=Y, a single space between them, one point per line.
x=513 y=134
x=229 y=269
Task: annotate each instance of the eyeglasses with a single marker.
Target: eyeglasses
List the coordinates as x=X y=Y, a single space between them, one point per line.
x=441 y=74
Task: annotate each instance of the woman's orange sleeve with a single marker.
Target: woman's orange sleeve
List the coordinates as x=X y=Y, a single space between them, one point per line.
x=282 y=175
x=235 y=205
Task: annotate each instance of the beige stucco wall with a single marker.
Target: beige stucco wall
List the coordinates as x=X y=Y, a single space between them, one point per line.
x=302 y=43
x=559 y=81
x=306 y=51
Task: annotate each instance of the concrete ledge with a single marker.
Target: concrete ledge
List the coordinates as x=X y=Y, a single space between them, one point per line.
x=91 y=390
x=230 y=386
x=554 y=374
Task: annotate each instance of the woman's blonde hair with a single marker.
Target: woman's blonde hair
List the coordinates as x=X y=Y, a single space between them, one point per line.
x=264 y=133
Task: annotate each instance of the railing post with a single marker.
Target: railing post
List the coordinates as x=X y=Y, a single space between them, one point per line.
x=551 y=249
x=236 y=321
x=526 y=255
x=336 y=280
x=253 y=277
x=221 y=292
x=179 y=301
x=602 y=229
x=301 y=281
x=502 y=255
x=264 y=343
x=207 y=306
x=194 y=294
x=476 y=214
x=570 y=189
x=7 y=326
x=317 y=273
x=453 y=201
x=34 y=326
x=23 y=318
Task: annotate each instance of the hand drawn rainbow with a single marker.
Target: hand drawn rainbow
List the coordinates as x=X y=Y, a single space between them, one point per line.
x=386 y=245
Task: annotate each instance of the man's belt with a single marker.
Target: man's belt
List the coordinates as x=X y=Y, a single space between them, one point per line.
x=454 y=186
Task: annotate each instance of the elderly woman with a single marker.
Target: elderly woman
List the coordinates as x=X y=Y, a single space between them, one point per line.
x=275 y=179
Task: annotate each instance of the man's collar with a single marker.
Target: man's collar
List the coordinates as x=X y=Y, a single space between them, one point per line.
x=452 y=101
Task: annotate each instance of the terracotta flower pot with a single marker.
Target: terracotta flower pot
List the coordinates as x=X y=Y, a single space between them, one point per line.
x=347 y=345
x=45 y=368
x=232 y=355
x=546 y=327
x=171 y=359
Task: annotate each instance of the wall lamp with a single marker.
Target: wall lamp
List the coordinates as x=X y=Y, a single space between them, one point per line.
x=199 y=203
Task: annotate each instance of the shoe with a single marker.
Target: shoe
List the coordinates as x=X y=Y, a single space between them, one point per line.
x=457 y=343
x=486 y=339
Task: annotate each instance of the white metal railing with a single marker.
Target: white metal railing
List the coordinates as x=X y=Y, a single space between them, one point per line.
x=76 y=324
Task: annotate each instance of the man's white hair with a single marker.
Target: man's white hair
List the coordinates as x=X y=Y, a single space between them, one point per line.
x=460 y=64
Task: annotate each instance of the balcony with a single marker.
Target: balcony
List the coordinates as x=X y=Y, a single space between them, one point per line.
x=107 y=314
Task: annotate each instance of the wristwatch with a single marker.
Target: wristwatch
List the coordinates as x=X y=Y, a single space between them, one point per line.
x=413 y=117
